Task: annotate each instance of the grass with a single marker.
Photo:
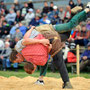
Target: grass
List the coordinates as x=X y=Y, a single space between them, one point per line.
x=22 y=74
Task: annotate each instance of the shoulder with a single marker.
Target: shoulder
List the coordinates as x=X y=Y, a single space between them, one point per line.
x=19 y=46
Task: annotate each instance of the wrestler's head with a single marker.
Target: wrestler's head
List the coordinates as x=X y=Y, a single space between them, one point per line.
x=29 y=67
x=16 y=57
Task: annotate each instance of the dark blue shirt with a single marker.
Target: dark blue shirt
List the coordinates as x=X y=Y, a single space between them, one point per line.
x=86 y=53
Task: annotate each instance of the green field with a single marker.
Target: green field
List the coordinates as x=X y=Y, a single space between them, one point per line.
x=22 y=74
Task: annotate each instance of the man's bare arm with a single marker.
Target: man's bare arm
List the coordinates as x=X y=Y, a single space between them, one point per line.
x=28 y=33
x=29 y=41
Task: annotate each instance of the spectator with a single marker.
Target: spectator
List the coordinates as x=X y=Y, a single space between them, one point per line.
x=51 y=6
x=3 y=6
x=67 y=14
x=38 y=13
x=29 y=16
x=88 y=24
x=6 y=28
x=34 y=21
x=56 y=20
x=2 y=12
x=75 y=34
x=30 y=4
x=18 y=17
x=71 y=4
x=17 y=34
x=10 y=17
x=85 y=58
x=13 y=30
x=2 y=18
x=55 y=11
x=88 y=28
x=5 y=55
x=61 y=14
x=44 y=19
x=17 y=5
x=24 y=9
x=46 y=8
x=79 y=3
x=22 y=28
x=83 y=38
x=13 y=8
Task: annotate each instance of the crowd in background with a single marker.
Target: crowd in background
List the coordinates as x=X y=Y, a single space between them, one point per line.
x=17 y=20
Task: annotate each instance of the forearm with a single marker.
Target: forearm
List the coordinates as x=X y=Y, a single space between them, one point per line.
x=29 y=41
x=28 y=33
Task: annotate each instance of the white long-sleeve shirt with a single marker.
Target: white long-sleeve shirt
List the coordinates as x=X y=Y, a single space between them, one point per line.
x=10 y=17
x=29 y=16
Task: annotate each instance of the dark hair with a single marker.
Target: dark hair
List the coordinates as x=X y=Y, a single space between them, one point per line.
x=51 y=2
x=13 y=55
x=4 y=21
x=28 y=67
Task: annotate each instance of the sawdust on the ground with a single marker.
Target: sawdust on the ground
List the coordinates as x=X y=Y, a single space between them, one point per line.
x=27 y=83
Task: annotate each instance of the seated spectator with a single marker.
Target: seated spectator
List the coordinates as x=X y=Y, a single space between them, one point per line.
x=88 y=24
x=10 y=17
x=18 y=17
x=61 y=14
x=13 y=30
x=3 y=6
x=2 y=18
x=88 y=28
x=29 y=16
x=79 y=3
x=85 y=58
x=5 y=55
x=51 y=6
x=38 y=13
x=2 y=12
x=67 y=14
x=13 y=8
x=6 y=28
x=46 y=8
x=56 y=20
x=55 y=11
x=17 y=34
x=44 y=19
x=17 y=5
x=22 y=28
x=75 y=34
x=24 y=9
x=30 y=4
x=83 y=38
x=71 y=4
x=35 y=21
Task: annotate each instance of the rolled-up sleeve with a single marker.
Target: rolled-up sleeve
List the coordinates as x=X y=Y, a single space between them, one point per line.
x=19 y=46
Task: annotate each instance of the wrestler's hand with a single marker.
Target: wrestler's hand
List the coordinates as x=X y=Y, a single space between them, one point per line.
x=33 y=27
x=50 y=47
x=45 y=42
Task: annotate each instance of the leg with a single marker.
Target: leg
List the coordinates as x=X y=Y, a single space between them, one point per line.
x=83 y=64
x=4 y=64
x=59 y=63
x=43 y=70
x=72 y=23
x=15 y=65
x=8 y=64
